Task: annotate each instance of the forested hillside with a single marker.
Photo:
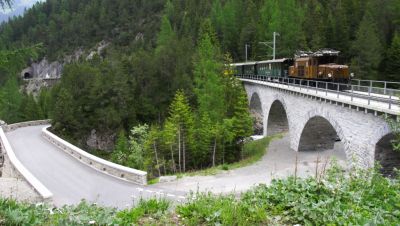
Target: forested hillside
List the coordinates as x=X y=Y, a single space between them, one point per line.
x=165 y=66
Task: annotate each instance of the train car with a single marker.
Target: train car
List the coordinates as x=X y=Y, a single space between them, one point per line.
x=247 y=68
x=319 y=66
x=274 y=68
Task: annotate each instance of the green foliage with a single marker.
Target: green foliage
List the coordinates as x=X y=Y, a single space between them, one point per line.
x=395 y=127
x=137 y=139
x=121 y=150
x=363 y=197
x=360 y=197
x=151 y=207
x=392 y=64
x=367 y=49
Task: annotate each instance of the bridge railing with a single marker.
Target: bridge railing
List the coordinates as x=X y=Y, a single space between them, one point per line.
x=381 y=87
x=390 y=97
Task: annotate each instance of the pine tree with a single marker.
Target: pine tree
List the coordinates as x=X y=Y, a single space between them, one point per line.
x=367 y=49
x=392 y=61
x=209 y=88
x=152 y=150
x=182 y=117
x=169 y=135
x=64 y=118
x=242 y=121
x=10 y=101
x=166 y=34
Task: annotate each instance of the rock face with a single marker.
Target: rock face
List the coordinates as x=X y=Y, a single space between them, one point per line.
x=44 y=73
x=43 y=70
x=33 y=86
x=98 y=50
x=101 y=141
x=258 y=125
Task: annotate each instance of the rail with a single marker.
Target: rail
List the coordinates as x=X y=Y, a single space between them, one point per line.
x=369 y=93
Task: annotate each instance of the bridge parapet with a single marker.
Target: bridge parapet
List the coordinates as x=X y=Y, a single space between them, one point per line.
x=12 y=127
x=115 y=170
x=13 y=168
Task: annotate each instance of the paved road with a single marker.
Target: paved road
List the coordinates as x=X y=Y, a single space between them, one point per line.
x=70 y=180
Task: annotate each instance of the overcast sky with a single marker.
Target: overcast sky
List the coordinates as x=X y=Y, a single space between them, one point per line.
x=17 y=8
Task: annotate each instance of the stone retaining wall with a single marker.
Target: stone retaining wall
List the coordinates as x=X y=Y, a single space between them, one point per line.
x=115 y=170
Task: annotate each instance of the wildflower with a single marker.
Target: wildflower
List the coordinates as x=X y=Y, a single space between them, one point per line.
x=92 y=222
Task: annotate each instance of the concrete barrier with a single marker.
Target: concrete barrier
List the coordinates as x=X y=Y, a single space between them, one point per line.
x=12 y=127
x=107 y=167
x=20 y=170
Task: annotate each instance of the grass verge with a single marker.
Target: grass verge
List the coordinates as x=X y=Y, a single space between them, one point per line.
x=360 y=197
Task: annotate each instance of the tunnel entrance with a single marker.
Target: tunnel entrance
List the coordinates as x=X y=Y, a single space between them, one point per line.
x=386 y=156
x=277 y=119
x=27 y=75
x=257 y=114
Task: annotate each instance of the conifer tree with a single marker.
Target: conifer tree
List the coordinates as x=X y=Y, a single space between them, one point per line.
x=242 y=123
x=392 y=62
x=181 y=117
x=169 y=135
x=209 y=88
x=152 y=150
x=367 y=49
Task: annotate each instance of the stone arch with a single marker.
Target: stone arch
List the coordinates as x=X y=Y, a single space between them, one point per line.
x=317 y=134
x=324 y=133
x=278 y=121
x=256 y=111
x=386 y=156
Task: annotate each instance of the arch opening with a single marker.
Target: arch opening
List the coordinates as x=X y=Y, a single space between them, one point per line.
x=388 y=158
x=257 y=114
x=319 y=135
x=27 y=75
x=277 y=119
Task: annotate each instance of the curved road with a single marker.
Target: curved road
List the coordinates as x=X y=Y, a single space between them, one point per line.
x=70 y=180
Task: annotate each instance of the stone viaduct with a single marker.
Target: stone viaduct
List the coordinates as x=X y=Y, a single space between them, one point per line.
x=316 y=123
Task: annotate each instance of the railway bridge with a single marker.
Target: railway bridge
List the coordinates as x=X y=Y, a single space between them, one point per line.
x=318 y=114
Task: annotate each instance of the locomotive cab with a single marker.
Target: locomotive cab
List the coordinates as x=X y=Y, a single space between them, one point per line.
x=319 y=65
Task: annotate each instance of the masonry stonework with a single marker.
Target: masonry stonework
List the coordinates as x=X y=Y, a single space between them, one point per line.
x=358 y=131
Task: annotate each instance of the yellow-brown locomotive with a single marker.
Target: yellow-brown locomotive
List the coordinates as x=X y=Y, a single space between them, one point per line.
x=319 y=65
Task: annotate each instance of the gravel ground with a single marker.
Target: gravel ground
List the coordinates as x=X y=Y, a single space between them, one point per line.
x=279 y=162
